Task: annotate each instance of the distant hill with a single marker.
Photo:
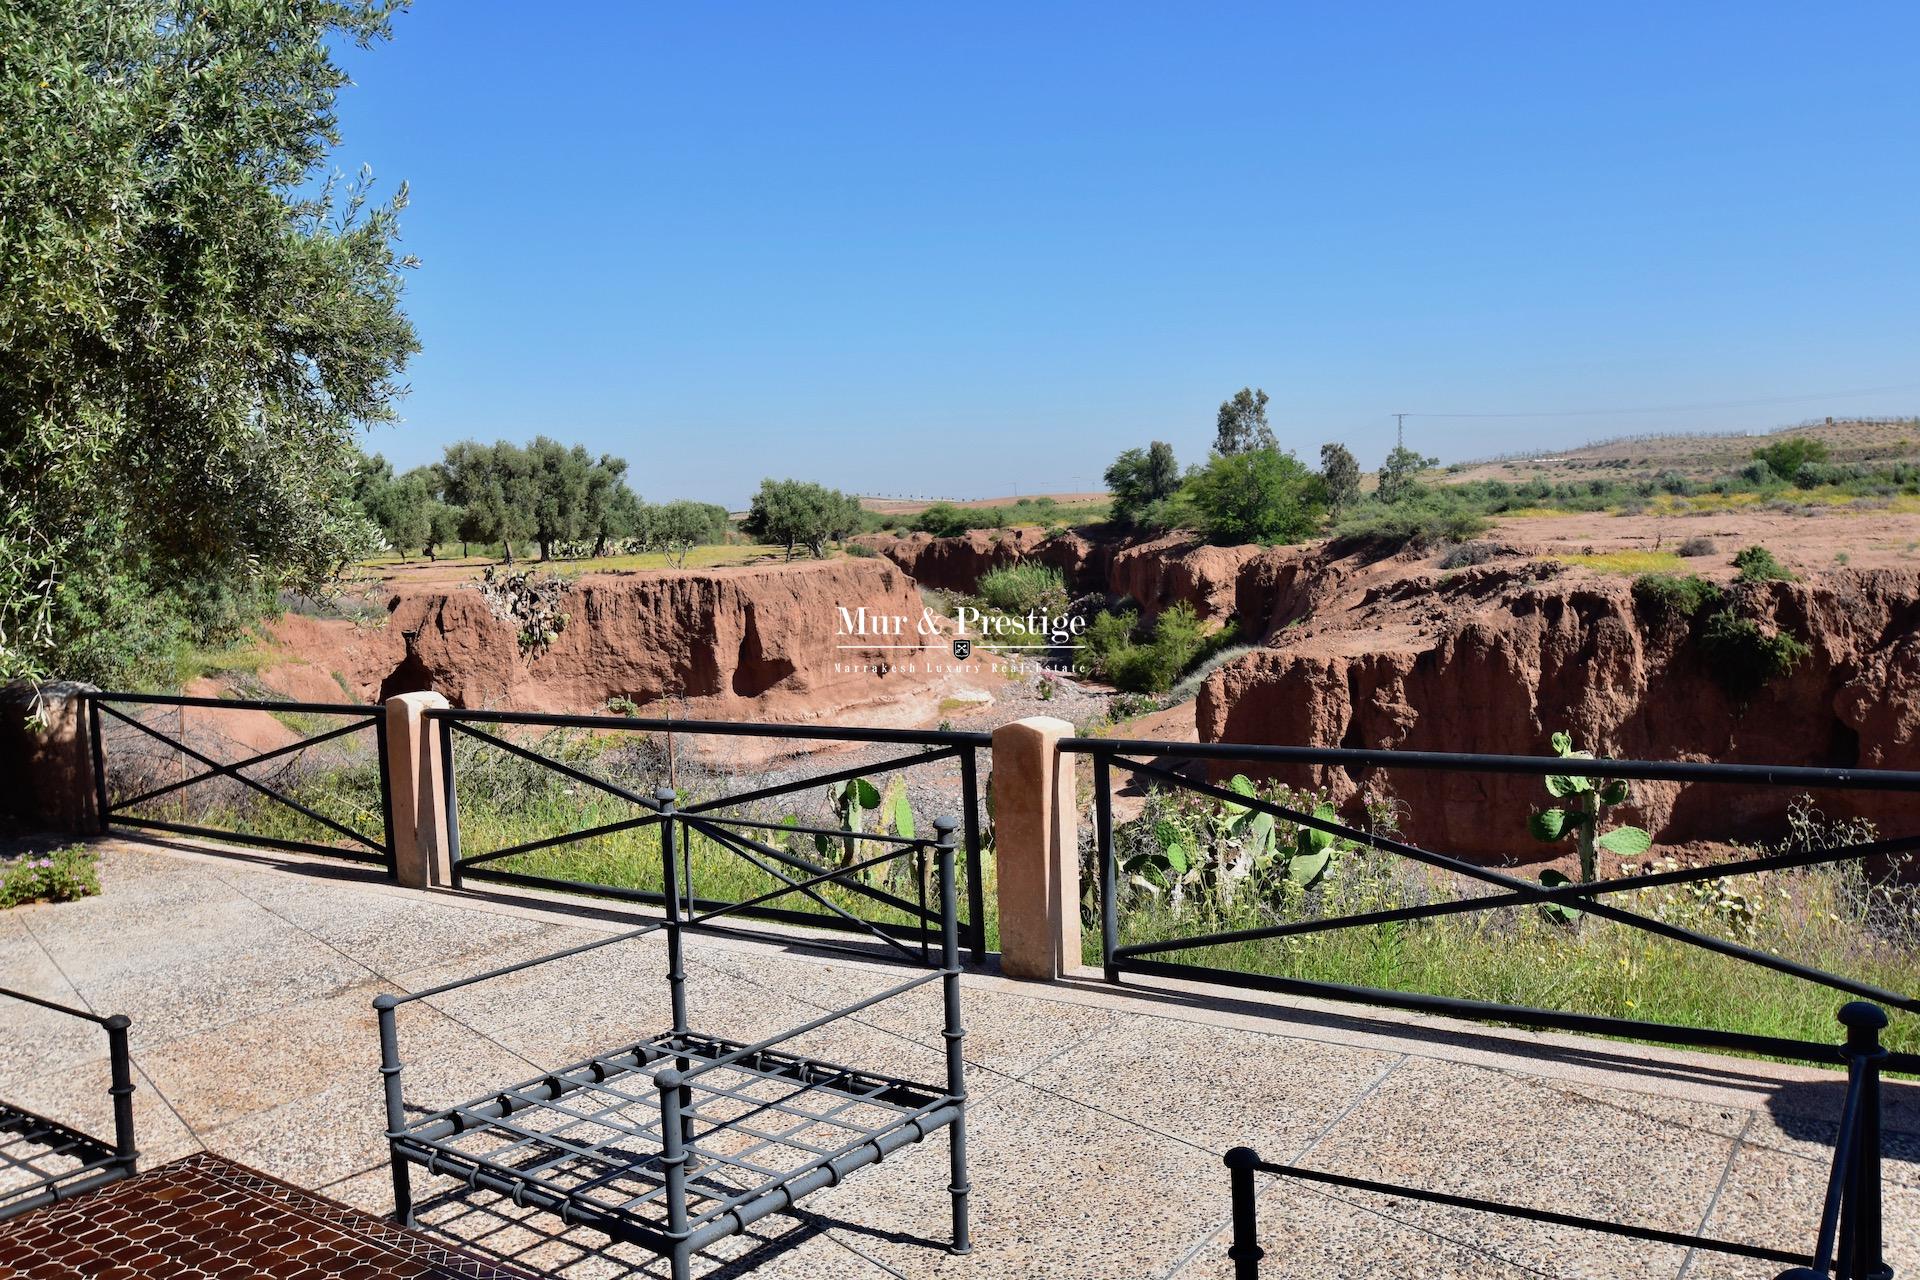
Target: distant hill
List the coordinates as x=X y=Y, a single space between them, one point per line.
x=1847 y=440
x=913 y=506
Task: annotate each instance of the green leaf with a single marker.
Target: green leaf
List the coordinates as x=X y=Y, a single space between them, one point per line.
x=822 y=844
x=1177 y=858
x=1615 y=792
x=902 y=814
x=1562 y=744
x=1312 y=838
x=1241 y=783
x=1560 y=785
x=1548 y=825
x=867 y=794
x=1260 y=832
x=1627 y=842
x=1557 y=912
x=1304 y=870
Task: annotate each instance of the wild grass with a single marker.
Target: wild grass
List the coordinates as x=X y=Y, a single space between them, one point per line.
x=1834 y=918
x=1633 y=563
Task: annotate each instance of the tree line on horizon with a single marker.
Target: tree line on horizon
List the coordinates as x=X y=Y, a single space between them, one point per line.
x=563 y=500
x=1250 y=489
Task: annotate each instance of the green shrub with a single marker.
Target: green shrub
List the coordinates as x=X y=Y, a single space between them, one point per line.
x=1262 y=495
x=1149 y=666
x=1023 y=588
x=1785 y=457
x=1744 y=657
x=1428 y=519
x=1757 y=564
x=61 y=876
x=860 y=549
x=942 y=520
x=1671 y=595
x=1698 y=546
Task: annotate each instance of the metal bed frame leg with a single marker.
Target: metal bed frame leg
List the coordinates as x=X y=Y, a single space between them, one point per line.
x=673 y=1163
x=396 y=1110
x=125 y=1152
x=676 y=956
x=959 y=1187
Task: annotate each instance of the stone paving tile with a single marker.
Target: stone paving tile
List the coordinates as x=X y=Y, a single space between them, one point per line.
x=1772 y=1198
x=1006 y=1032
x=1472 y=1131
x=253 y=977
x=1310 y=1236
x=390 y=934
x=77 y=1095
x=1216 y=1087
x=35 y=1040
x=626 y=979
x=778 y=1248
x=256 y=1064
x=1803 y=1120
x=1058 y=1191
x=339 y=1126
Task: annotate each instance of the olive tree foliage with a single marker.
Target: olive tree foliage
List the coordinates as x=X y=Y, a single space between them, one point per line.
x=1139 y=478
x=1241 y=426
x=191 y=328
x=797 y=513
x=676 y=528
x=1339 y=477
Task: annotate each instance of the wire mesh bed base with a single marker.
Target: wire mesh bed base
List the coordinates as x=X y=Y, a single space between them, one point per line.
x=758 y=1132
x=43 y=1160
x=675 y=1141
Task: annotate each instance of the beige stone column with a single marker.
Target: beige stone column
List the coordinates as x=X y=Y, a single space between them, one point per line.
x=46 y=759
x=1036 y=849
x=416 y=773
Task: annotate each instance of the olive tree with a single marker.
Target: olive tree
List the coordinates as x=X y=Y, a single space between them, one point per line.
x=801 y=513
x=191 y=328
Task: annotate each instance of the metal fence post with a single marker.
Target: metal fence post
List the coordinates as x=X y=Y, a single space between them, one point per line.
x=1245 y=1249
x=1109 y=874
x=450 y=802
x=958 y=1186
x=99 y=753
x=976 y=891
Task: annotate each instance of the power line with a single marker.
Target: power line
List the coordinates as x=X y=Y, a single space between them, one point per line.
x=1672 y=408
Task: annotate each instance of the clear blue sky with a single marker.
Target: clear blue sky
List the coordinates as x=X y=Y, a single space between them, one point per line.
x=973 y=249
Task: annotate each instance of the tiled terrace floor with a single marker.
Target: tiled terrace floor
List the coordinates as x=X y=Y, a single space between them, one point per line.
x=1099 y=1116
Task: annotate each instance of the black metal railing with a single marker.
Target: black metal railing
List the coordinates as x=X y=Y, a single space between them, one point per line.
x=1849 y=1243
x=755 y=841
x=1145 y=761
x=42 y=1160
x=677 y=1140
x=361 y=843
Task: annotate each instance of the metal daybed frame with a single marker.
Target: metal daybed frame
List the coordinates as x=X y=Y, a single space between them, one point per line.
x=679 y=1139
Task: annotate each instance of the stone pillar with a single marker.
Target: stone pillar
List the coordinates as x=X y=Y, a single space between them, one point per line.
x=1036 y=849
x=416 y=773
x=46 y=759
